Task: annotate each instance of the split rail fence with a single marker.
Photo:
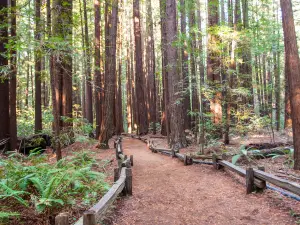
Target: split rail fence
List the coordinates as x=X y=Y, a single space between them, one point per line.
x=122 y=186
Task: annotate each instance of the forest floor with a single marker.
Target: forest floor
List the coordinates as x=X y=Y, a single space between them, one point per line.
x=167 y=192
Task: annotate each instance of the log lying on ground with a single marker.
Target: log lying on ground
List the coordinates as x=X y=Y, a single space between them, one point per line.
x=266 y=153
x=261 y=146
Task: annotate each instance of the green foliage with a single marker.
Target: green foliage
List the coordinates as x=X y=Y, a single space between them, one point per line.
x=32 y=182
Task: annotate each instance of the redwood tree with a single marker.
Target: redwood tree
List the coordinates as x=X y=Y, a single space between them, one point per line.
x=13 y=79
x=98 y=99
x=142 y=122
x=38 y=68
x=293 y=73
x=4 y=84
x=107 y=126
x=177 y=137
x=61 y=63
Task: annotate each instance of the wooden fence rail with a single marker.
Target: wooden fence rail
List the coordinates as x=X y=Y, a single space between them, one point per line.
x=254 y=178
x=123 y=184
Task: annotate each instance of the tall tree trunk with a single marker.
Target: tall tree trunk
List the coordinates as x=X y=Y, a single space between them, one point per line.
x=107 y=126
x=13 y=80
x=178 y=139
x=139 y=74
x=98 y=82
x=88 y=79
x=61 y=63
x=194 y=87
x=151 y=68
x=293 y=73
x=38 y=69
x=165 y=120
x=129 y=92
x=213 y=64
x=4 y=84
x=185 y=68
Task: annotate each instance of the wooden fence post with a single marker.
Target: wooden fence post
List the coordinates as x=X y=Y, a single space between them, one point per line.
x=62 y=219
x=128 y=182
x=116 y=174
x=89 y=218
x=262 y=168
x=185 y=160
x=131 y=160
x=173 y=153
x=249 y=180
x=216 y=165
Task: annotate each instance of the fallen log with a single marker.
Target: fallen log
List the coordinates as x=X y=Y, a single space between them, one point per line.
x=267 y=153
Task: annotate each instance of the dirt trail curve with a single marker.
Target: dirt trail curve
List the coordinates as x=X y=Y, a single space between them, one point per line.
x=166 y=192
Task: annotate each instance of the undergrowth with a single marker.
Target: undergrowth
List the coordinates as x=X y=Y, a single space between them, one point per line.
x=30 y=183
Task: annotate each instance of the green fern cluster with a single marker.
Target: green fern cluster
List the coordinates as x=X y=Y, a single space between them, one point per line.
x=32 y=182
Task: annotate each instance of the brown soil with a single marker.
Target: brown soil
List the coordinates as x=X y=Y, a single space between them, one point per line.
x=166 y=192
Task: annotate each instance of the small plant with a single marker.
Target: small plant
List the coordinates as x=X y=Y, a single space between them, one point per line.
x=244 y=153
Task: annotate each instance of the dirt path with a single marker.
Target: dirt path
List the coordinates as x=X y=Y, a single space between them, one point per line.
x=166 y=192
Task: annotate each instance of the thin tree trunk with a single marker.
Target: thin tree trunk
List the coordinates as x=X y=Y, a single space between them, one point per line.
x=151 y=69
x=88 y=79
x=4 y=84
x=98 y=99
x=13 y=80
x=185 y=69
x=38 y=69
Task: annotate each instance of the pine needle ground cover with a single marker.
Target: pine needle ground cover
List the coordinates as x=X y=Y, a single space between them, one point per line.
x=33 y=191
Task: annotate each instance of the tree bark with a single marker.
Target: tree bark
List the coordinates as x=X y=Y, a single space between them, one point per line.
x=13 y=80
x=61 y=63
x=139 y=74
x=107 y=126
x=185 y=68
x=38 y=69
x=98 y=81
x=213 y=64
x=88 y=79
x=4 y=84
x=177 y=139
x=151 y=68
x=293 y=73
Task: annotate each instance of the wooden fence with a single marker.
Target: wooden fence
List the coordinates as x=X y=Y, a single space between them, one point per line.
x=255 y=178
x=122 y=185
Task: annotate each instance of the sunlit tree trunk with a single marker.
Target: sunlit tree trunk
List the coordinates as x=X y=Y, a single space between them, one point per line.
x=293 y=73
x=107 y=126
x=139 y=74
x=38 y=69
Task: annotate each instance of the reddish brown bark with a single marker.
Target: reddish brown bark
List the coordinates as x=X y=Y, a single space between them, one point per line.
x=165 y=123
x=293 y=73
x=107 y=126
x=61 y=67
x=38 y=69
x=142 y=123
x=151 y=68
x=185 y=69
x=98 y=99
x=177 y=138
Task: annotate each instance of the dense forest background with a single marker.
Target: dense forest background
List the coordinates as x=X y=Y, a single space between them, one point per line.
x=77 y=69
